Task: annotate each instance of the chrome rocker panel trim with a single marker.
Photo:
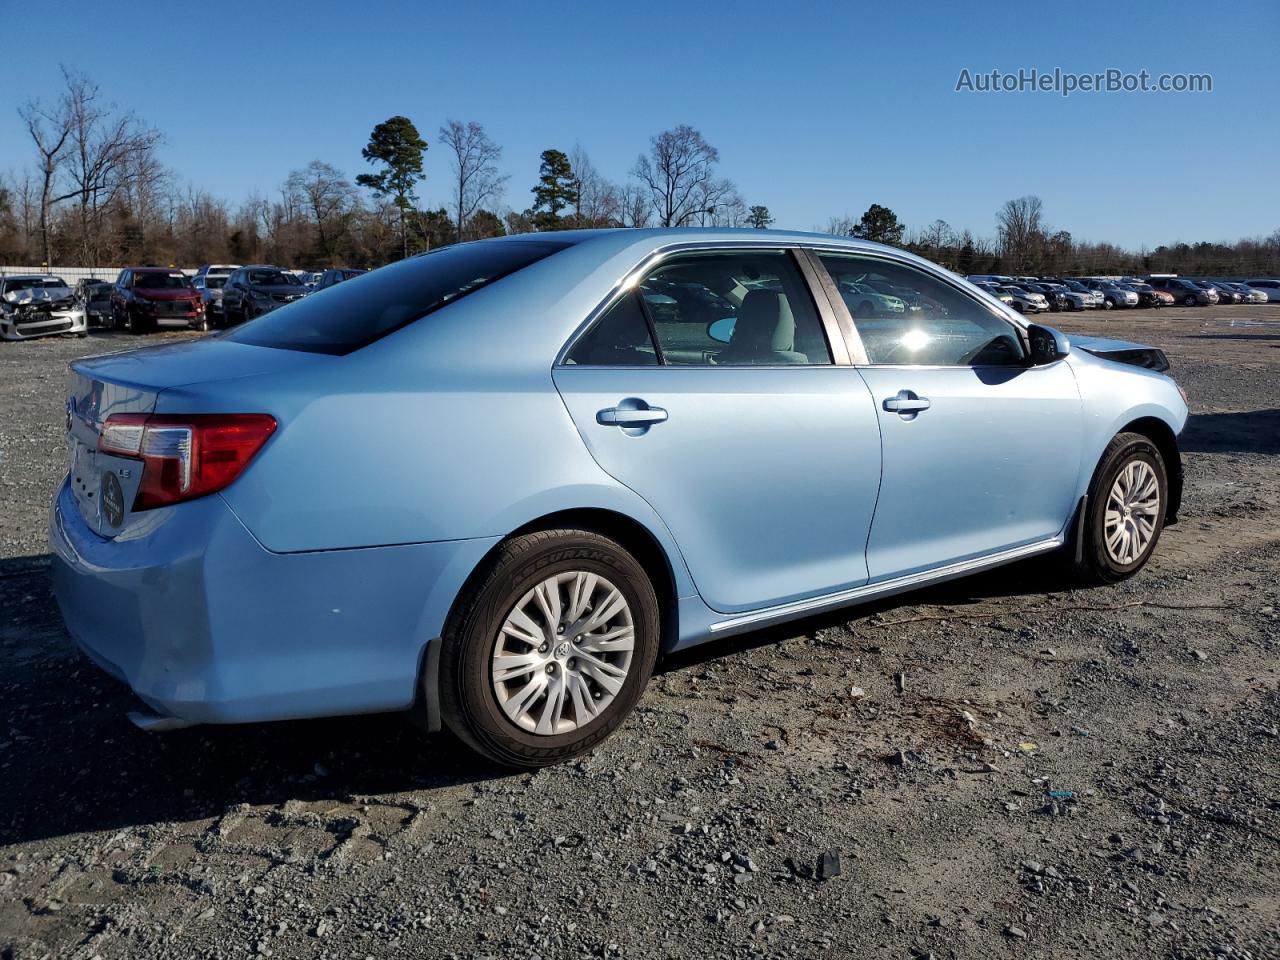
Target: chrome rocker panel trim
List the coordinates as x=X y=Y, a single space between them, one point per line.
x=800 y=608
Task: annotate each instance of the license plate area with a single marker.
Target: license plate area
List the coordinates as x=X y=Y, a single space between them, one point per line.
x=86 y=470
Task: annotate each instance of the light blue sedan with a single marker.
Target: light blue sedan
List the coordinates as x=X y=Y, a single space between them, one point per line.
x=490 y=484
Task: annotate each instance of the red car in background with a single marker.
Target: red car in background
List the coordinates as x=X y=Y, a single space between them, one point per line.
x=144 y=296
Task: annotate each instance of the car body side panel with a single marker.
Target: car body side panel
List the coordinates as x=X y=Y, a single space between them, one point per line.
x=767 y=476
x=990 y=465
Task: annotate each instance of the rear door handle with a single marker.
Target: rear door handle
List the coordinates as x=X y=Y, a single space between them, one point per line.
x=631 y=416
x=906 y=404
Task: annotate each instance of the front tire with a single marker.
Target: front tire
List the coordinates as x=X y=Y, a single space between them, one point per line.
x=1125 y=512
x=549 y=648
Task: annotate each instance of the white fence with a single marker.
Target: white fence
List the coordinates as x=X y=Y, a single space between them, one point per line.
x=73 y=274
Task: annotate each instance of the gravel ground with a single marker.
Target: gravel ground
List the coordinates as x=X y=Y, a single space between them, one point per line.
x=996 y=768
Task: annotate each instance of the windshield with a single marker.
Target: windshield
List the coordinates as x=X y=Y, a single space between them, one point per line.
x=160 y=281
x=33 y=283
x=270 y=278
x=351 y=315
x=215 y=281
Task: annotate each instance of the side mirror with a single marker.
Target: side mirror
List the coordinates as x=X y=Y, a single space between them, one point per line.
x=1047 y=344
x=721 y=330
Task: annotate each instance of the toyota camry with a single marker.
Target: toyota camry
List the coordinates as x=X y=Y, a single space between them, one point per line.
x=493 y=483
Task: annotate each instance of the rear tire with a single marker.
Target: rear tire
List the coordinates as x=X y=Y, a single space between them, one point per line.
x=1125 y=512
x=483 y=710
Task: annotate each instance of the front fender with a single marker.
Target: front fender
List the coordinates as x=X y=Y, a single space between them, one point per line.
x=1117 y=395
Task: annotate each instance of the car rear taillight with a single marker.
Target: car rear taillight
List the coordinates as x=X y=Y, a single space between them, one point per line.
x=185 y=456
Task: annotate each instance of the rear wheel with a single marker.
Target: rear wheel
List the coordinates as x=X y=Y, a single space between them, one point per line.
x=1128 y=497
x=1189 y=300
x=549 y=649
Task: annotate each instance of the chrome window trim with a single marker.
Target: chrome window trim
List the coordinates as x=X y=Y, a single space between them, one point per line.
x=867 y=591
x=836 y=339
x=856 y=348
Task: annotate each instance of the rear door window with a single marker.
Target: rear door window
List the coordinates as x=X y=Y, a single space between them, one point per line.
x=354 y=314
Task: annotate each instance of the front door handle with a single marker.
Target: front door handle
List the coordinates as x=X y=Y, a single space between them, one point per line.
x=631 y=416
x=907 y=404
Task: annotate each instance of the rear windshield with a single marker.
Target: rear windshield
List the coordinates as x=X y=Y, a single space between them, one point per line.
x=347 y=316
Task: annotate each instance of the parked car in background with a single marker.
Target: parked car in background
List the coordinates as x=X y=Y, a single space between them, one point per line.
x=1268 y=285
x=1245 y=292
x=864 y=300
x=1147 y=294
x=334 y=276
x=1113 y=296
x=1184 y=291
x=96 y=296
x=1068 y=299
x=1025 y=301
x=1095 y=297
x=309 y=279
x=256 y=290
x=1225 y=294
x=144 y=296
x=209 y=280
x=315 y=513
x=39 y=305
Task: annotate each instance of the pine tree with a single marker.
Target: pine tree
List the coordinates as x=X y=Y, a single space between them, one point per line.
x=556 y=190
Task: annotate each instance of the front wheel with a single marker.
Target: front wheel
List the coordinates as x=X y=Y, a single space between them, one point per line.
x=1125 y=511
x=549 y=649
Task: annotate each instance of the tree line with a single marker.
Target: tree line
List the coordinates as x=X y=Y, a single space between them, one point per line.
x=96 y=193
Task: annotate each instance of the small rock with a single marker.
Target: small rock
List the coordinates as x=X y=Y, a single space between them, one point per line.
x=829 y=865
x=1016 y=932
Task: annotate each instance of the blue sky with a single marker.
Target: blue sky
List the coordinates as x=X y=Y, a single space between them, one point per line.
x=817 y=109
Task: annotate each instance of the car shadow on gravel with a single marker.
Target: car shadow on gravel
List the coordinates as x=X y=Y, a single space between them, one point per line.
x=71 y=762
x=1250 y=431
x=1039 y=576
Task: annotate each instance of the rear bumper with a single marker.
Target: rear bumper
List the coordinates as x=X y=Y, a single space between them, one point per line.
x=207 y=626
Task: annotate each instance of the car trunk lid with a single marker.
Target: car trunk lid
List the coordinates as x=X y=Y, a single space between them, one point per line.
x=105 y=486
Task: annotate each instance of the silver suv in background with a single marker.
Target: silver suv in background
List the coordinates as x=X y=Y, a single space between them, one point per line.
x=209 y=280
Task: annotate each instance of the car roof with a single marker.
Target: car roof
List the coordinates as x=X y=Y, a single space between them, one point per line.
x=32 y=276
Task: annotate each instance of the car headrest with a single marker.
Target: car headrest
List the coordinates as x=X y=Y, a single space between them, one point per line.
x=764 y=323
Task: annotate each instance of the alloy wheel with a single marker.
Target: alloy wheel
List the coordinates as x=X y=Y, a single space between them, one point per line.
x=563 y=653
x=1133 y=506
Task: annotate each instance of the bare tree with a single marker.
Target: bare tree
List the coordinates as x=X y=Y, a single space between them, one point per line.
x=1021 y=228
x=635 y=206
x=679 y=162
x=475 y=170
x=717 y=203
x=842 y=226
x=596 y=200
x=100 y=150
x=50 y=131
x=328 y=198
